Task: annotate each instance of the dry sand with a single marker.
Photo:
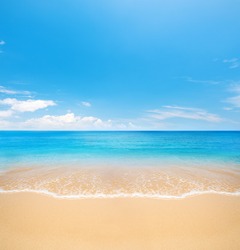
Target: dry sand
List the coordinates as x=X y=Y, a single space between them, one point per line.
x=34 y=221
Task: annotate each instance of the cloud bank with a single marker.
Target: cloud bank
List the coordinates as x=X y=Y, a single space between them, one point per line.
x=67 y=121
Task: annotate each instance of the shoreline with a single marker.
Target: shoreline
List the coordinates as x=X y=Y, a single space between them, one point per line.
x=121 y=195
x=110 y=182
x=38 y=221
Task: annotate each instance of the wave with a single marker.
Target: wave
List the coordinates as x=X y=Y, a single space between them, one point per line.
x=159 y=183
x=121 y=195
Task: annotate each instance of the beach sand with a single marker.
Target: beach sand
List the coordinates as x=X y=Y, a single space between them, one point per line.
x=35 y=221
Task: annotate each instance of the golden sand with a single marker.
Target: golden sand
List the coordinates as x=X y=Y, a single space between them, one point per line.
x=35 y=221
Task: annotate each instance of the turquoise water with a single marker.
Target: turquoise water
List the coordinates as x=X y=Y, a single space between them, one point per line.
x=52 y=147
x=120 y=164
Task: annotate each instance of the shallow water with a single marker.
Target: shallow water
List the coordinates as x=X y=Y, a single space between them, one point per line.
x=120 y=164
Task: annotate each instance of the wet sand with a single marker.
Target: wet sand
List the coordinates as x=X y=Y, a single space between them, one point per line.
x=35 y=221
x=89 y=182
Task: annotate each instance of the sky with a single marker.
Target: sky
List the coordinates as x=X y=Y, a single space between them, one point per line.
x=120 y=65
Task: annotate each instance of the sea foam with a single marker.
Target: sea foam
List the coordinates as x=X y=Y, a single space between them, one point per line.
x=147 y=182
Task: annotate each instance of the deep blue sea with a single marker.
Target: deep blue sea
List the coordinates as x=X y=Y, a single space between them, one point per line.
x=153 y=152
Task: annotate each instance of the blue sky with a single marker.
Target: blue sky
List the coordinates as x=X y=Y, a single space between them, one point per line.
x=122 y=64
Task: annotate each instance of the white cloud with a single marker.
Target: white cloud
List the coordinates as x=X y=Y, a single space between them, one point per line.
x=235 y=87
x=67 y=121
x=5 y=124
x=86 y=104
x=235 y=100
x=233 y=62
x=189 y=79
x=13 y=92
x=168 y=112
x=6 y=91
x=227 y=108
x=5 y=113
x=28 y=105
x=181 y=108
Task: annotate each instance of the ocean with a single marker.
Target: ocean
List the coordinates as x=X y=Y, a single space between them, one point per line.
x=154 y=164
